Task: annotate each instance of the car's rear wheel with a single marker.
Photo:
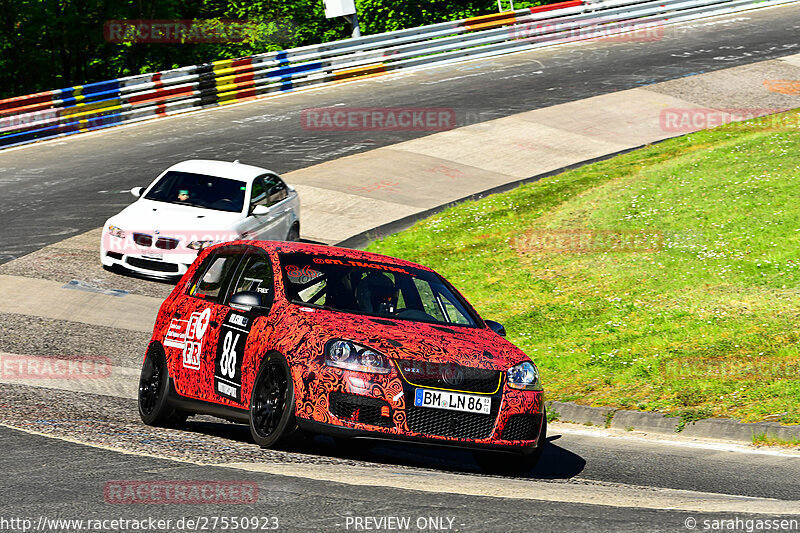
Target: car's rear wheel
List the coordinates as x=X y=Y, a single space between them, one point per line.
x=506 y=463
x=272 y=403
x=154 y=409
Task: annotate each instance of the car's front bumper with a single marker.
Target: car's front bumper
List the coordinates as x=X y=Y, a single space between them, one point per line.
x=170 y=266
x=353 y=404
x=338 y=431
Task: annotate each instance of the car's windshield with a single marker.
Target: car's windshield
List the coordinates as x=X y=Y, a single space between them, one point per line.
x=198 y=190
x=372 y=288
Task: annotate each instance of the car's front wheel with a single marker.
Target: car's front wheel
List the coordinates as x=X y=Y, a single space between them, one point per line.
x=272 y=420
x=154 y=409
x=294 y=233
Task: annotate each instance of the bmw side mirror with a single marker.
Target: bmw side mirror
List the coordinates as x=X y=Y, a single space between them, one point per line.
x=497 y=327
x=246 y=300
x=137 y=191
x=260 y=210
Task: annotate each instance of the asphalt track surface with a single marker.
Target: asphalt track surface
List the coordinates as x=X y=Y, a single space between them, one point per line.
x=65 y=481
x=52 y=191
x=57 y=189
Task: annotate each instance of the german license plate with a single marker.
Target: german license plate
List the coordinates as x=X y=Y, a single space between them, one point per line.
x=453 y=401
x=155 y=257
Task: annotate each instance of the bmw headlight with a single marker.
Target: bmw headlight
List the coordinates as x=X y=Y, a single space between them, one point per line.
x=199 y=245
x=524 y=376
x=115 y=231
x=352 y=356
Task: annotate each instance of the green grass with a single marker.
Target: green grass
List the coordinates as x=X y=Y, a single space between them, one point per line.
x=766 y=440
x=703 y=319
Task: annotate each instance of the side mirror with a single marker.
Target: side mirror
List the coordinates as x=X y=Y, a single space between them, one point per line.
x=260 y=210
x=497 y=327
x=137 y=191
x=247 y=300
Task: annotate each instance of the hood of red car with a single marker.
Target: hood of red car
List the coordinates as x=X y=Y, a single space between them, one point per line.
x=415 y=341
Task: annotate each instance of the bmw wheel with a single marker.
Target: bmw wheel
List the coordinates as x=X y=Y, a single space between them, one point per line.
x=294 y=233
x=152 y=398
x=272 y=420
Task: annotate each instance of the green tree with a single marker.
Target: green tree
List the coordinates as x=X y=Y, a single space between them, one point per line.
x=50 y=44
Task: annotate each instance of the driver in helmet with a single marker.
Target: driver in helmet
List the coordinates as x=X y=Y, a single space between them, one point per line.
x=376 y=294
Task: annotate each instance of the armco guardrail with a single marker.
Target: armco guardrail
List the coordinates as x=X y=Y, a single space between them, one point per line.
x=93 y=106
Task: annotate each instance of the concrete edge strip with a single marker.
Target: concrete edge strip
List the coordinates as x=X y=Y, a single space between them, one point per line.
x=715 y=428
x=677 y=439
x=585 y=492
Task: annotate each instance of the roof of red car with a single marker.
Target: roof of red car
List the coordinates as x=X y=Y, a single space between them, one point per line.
x=334 y=251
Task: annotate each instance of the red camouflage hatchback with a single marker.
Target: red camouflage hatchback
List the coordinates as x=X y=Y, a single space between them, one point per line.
x=294 y=338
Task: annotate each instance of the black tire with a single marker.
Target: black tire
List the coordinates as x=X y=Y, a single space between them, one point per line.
x=272 y=404
x=154 y=409
x=294 y=233
x=505 y=463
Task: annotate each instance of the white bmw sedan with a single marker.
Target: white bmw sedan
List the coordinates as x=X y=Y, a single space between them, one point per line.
x=195 y=204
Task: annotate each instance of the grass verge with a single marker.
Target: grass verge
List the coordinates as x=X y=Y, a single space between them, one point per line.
x=665 y=279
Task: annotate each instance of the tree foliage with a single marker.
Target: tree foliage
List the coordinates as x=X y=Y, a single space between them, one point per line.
x=48 y=44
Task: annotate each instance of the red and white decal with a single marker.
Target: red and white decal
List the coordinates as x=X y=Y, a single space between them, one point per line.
x=176 y=334
x=188 y=337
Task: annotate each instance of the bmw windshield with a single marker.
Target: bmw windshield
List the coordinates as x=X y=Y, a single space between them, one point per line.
x=374 y=289
x=198 y=190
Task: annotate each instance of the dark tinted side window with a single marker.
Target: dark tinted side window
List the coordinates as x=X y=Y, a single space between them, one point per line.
x=255 y=274
x=259 y=195
x=276 y=189
x=215 y=275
